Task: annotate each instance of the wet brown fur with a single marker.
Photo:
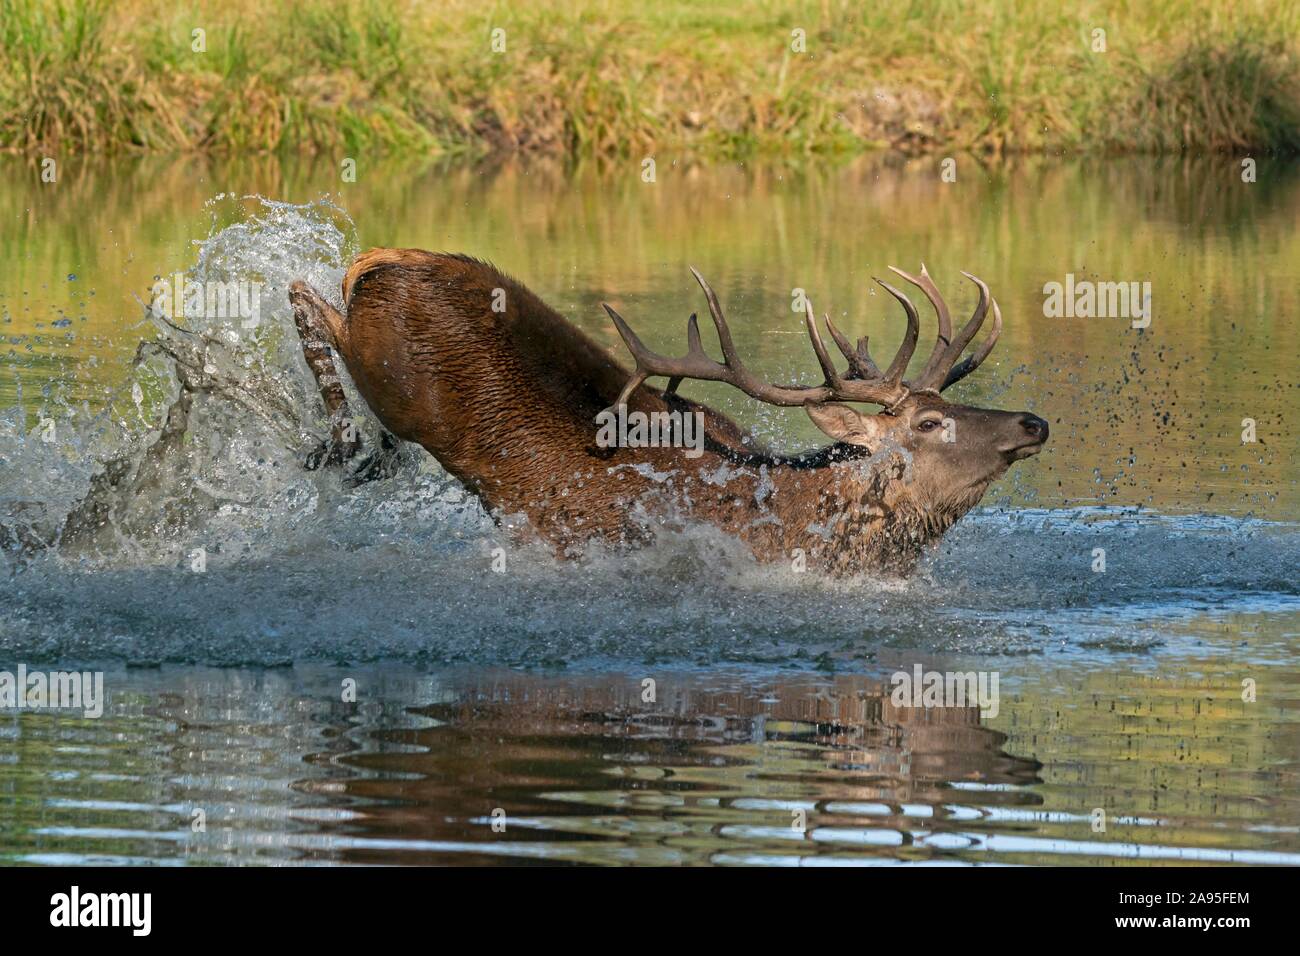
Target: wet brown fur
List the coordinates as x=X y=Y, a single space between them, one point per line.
x=507 y=401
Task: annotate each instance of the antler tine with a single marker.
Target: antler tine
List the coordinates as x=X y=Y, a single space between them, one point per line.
x=976 y=320
x=719 y=322
x=632 y=385
x=864 y=354
x=693 y=347
x=899 y=365
x=972 y=361
x=693 y=343
x=944 y=339
x=645 y=359
x=819 y=347
x=939 y=373
x=860 y=362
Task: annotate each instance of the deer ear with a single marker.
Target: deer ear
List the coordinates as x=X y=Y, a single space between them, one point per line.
x=845 y=424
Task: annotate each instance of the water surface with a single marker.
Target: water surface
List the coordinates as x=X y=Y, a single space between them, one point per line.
x=1121 y=690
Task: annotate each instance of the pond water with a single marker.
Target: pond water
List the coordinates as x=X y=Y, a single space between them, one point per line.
x=1133 y=590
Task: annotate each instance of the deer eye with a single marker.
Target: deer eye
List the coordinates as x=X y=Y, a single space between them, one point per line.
x=927 y=425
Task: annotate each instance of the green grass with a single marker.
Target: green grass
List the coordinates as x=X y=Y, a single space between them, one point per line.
x=716 y=80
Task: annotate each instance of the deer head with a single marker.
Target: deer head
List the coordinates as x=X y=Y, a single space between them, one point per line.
x=949 y=453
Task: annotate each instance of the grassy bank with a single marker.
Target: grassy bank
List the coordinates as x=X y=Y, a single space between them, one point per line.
x=628 y=78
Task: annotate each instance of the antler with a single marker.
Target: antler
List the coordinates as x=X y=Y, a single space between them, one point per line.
x=941 y=369
x=864 y=382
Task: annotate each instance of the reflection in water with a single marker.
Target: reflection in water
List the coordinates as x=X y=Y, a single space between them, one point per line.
x=721 y=768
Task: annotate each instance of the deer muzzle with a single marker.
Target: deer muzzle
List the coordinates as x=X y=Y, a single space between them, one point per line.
x=1029 y=438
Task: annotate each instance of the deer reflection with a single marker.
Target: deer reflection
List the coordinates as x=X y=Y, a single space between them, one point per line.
x=565 y=756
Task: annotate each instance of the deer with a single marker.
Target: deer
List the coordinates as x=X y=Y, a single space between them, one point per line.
x=459 y=358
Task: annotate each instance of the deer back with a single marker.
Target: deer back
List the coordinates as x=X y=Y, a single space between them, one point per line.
x=451 y=353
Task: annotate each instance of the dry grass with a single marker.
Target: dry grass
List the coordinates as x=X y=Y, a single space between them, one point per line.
x=624 y=78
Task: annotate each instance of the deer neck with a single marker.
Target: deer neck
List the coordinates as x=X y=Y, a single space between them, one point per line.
x=841 y=509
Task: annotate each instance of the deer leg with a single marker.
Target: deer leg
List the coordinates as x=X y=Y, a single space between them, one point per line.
x=319 y=325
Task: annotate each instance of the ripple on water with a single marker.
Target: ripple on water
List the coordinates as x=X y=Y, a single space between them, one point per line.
x=729 y=766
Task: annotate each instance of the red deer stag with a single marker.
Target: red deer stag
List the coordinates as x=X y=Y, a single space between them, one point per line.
x=453 y=355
